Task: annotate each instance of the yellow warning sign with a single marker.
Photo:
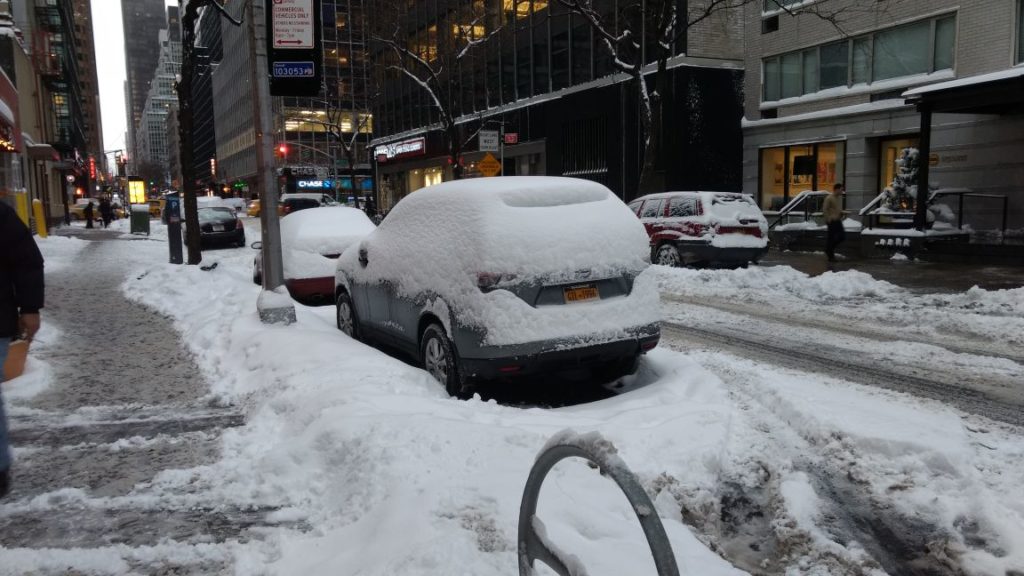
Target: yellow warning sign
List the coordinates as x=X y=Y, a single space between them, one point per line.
x=489 y=165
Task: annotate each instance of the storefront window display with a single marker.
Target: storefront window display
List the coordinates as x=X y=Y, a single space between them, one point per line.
x=788 y=170
x=889 y=152
x=425 y=177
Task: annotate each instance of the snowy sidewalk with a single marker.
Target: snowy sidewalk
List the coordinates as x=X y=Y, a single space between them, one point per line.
x=112 y=402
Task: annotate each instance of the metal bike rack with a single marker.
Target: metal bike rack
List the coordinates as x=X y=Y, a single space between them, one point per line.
x=595 y=449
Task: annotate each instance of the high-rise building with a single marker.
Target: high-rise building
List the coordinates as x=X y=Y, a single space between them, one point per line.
x=89 y=84
x=153 y=143
x=142 y=21
x=208 y=53
x=543 y=75
x=299 y=122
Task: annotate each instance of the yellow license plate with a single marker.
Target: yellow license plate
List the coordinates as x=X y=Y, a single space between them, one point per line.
x=581 y=293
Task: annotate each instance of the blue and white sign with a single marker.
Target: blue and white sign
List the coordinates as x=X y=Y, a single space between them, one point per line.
x=315 y=184
x=294 y=70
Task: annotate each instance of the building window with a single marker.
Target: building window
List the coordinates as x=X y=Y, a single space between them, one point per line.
x=788 y=170
x=917 y=48
x=1020 y=31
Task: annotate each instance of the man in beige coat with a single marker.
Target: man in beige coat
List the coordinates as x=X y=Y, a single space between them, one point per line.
x=832 y=209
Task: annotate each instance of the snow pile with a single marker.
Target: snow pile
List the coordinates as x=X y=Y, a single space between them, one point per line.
x=59 y=252
x=996 y=315
x=528 y=229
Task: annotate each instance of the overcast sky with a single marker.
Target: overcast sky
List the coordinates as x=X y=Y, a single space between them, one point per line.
x=109 y=38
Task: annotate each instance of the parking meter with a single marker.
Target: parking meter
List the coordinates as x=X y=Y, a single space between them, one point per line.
x=172 y=212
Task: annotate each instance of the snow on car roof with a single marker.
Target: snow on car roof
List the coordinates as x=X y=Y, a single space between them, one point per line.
x=518 y=191
x=308 y=234
x=670 y=194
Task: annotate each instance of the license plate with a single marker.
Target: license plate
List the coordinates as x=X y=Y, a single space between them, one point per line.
x=581 y=293
x=218 y=227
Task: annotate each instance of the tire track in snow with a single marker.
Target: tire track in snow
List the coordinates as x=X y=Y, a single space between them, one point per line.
x=750 y=525
x=846 y=364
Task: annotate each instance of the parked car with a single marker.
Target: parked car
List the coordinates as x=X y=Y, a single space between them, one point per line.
x=253 y=209
x=703 y=228
x=311 y=242
x=220 y=225
x=506 y=277
x=296 y=201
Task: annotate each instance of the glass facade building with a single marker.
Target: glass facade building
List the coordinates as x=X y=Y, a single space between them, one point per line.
x=543 y=74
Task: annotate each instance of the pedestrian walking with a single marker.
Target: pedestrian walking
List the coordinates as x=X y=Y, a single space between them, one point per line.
x=832 y=208
x=106 y=212
x=89 y=214
x=21 y=298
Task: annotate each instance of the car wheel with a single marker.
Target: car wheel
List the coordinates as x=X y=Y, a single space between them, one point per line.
x=668 y=255
x=346 y=315
x=440 y=360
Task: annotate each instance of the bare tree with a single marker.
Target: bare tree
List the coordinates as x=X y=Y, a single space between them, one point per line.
x=645 y=32
x=347 y=137
x=433 y=64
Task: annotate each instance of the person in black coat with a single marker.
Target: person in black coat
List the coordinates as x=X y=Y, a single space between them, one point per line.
x=21 y=298
x=106 y=212
x=89 y=214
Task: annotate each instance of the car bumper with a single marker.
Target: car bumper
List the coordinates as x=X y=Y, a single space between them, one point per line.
x=311 y=288
x=705 y=252
x=533 y=358
x=215 y=238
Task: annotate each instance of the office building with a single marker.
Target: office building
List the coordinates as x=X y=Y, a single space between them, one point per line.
x=544 y=77
x=142 y=21
x=827 y=103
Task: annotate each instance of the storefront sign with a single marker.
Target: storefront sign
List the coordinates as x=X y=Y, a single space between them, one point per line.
x=488 y=140
x=315 y=184
x=405 y=148
x=512 y=138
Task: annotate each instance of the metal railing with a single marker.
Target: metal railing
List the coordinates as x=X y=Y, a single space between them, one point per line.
x=801 y=199
x=533 y=539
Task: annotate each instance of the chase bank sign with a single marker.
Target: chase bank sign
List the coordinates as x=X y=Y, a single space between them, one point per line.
x=315 y=184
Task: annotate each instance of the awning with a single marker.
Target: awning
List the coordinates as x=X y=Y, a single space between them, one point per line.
x=42 y=152
x=999 y=92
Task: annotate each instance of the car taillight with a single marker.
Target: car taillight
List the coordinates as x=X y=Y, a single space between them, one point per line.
x=488 y=281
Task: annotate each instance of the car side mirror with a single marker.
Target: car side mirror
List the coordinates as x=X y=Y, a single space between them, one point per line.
x=257 y=245
x=363 y=258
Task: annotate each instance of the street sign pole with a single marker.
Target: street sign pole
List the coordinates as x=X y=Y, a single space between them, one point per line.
x=273 y=307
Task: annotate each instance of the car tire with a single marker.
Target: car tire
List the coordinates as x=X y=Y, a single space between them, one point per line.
x=345 y=315
x=668 y=255
x=441 y=361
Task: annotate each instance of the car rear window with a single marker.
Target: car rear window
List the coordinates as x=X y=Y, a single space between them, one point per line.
x=683 y=206
x=652 y=208
x=733 y=206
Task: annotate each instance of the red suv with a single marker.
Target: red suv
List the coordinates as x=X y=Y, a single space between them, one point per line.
x=703 y=228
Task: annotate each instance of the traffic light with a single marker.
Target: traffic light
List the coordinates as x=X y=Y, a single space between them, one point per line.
x=282 y=150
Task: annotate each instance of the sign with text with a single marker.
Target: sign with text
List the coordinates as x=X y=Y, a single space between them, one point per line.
x=489 y=141
x=511 y=137
x=413 y=147
x=294 y=47
x=292 y=24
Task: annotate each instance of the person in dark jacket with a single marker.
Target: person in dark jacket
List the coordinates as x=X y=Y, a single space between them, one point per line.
x=89 y=214
x=106 y=212
x=21 y=298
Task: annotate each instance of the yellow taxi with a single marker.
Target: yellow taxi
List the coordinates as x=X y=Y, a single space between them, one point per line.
x=156 y=208
x=253 y=209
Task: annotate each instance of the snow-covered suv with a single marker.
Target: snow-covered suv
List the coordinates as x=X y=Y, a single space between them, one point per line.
x=703 y=228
